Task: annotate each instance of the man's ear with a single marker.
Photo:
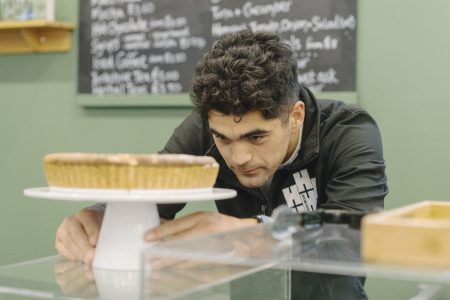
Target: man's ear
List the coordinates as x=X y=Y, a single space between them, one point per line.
x=298 y=113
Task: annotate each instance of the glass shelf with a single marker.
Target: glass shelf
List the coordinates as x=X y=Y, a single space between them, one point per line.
x=323 y=256
x=243 y=264
x=331 y=248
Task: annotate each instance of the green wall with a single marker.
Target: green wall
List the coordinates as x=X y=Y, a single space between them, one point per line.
x=403 y=80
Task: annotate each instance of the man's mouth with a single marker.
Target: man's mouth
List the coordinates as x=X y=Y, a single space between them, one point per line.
x=250 y=172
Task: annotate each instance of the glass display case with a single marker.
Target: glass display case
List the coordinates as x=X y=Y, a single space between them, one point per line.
x=251 y=263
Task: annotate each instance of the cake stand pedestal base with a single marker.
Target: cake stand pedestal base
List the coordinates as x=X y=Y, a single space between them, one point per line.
x=122 y=234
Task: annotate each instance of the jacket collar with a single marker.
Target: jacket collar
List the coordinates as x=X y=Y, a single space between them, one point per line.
x=309 y=149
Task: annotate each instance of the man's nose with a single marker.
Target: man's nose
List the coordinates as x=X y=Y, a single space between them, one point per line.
x=240 y=154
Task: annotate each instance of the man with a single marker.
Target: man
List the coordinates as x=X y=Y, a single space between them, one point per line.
x=275 y=143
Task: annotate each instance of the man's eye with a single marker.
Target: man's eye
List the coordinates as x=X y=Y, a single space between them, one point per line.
x=221 y=138
x=256 y=138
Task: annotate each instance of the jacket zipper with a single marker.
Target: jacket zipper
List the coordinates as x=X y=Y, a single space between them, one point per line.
x=263 y=208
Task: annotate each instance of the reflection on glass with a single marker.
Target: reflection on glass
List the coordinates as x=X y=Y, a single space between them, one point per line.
x=75 y=279
x=336 y=243
x=169 y=277
x=82 y=281
x=258 y=265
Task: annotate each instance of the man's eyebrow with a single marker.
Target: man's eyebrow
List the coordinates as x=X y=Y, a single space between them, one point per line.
x=215 y=132
x=255 y=132
x=245 y=135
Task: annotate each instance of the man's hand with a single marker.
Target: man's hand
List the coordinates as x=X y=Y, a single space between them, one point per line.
x=196 y=224
x=77 y=236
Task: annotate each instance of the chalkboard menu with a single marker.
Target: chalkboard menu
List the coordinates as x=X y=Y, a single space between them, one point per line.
x=136 y=47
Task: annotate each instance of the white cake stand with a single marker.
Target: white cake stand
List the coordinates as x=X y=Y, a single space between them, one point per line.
x=129 y=214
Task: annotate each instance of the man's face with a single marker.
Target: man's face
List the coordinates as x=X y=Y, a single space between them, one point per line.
x=254 y=147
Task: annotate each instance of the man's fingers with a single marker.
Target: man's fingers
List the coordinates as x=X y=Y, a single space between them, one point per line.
x=73 y=246
x=77 y=238
x=67 y=248
x=64 y=243
x=72 y=241
x=173 y=227
x=59 y=244
x=89 y=256
x=90 y=221
x=183 y=234
x=62 y=250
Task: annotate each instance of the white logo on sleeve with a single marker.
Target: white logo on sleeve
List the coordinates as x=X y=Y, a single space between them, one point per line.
x=302 y=196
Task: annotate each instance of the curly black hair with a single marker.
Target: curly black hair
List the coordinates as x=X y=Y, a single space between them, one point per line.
x=245 y=72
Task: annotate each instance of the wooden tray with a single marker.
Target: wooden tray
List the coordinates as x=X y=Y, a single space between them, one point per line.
x=417 y=235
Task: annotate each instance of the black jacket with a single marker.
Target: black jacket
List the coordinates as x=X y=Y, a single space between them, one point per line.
x=339 y=165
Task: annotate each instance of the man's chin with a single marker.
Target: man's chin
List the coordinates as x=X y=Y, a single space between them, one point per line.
x=252 y=182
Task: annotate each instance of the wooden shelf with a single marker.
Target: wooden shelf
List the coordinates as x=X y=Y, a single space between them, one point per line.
x=35 y=36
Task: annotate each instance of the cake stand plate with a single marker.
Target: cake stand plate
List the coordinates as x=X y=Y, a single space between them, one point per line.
x=129 y=214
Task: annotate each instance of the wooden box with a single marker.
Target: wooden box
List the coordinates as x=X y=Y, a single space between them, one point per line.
x=417 y=235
